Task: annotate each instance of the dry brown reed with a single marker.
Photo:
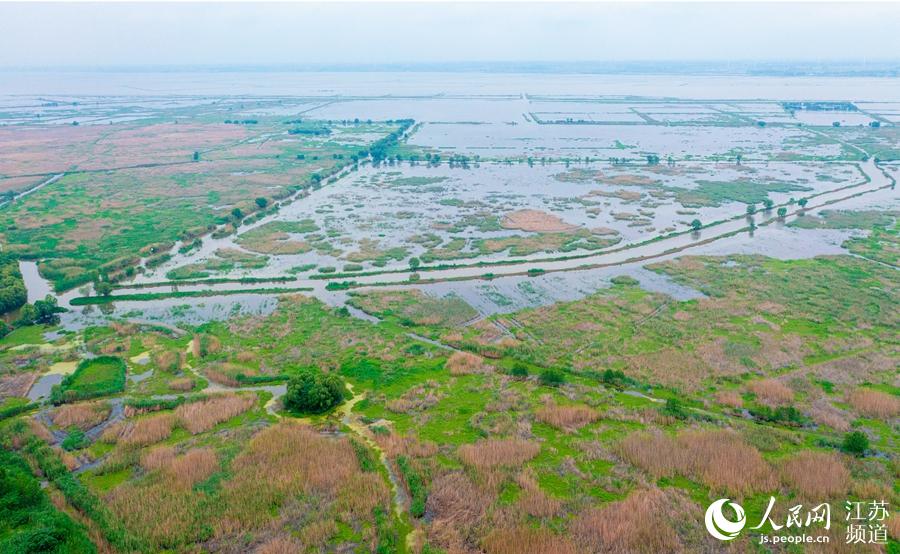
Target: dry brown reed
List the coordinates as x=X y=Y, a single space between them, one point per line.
x=84 y=415
x=816 y=475
x=396 y=445
x=771 y=392
x=157 y=458
x=280 y=545
x=464 y=363
x=219 y=377
x=185 y=470
x=566 y=418
x=271 y=469
x=192 y=467
x=39 y=430
x=457 y=507
x=874 y=403
x=167 y=360
x=182 y=384
x=140 y=432
x=198 y=417
x=719 y=459
x=488 y=453
x=647 y=521
x=824 y=413
x=527 y=539
x=166 y=517
x=729 y=398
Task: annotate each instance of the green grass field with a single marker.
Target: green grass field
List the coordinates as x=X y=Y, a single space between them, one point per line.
x=101 y=376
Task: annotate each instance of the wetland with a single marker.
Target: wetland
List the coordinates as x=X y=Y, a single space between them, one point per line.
x=530 y=309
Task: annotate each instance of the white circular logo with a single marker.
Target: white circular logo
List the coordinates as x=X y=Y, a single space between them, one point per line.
x=720 y=526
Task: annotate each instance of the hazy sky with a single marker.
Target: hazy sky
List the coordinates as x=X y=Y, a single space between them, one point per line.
x=74 y=34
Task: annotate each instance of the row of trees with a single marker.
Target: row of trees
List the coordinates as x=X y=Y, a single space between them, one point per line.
x=768 y=203
x=381 y=148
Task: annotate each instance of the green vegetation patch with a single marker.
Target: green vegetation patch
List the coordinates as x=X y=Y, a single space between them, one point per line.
x=716 y=193
x=223 y=260
x=417 y=181
x=275 y=237
x=30 y=522
x=413 y=307
x=883 y=241
x=100 y=376
x=13 y=294
x=845 y=219
x=124 y=203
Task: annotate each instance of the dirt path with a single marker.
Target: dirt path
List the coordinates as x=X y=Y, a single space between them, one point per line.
x=36 y=188
x=398 y=493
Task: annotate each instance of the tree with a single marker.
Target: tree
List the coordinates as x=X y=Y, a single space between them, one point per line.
x=519 y=370
x=196 y=156
x=751 y=209
x=12 y=288
x=262 y=202
x=768 y=203
x=314 y=392
x=414 y=263
x=46 y=310
x=675 y=408
x=782 y=212
x=696 y=225
x=103 y=288
x=803 y=202
x=856 y=443
x=42 y=312
x=27 y=316
x=237 y=213
x=552 y=378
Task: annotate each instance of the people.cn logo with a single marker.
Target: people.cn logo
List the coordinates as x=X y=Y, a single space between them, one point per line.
x=720 y=526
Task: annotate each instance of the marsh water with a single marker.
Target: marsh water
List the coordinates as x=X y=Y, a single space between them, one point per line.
x=567 y=126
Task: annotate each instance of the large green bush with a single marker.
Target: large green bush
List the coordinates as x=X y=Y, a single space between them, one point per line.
x=314 y=392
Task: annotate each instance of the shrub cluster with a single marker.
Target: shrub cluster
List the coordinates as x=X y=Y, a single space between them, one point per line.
x=314 y=392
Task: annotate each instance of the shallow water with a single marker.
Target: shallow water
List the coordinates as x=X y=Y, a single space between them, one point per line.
x=38 y=287
x=703 y=121
x=54 y=376
x=64 y=85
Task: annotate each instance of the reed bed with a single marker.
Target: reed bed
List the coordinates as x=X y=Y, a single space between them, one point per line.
x=84 y=415
x=566 y=418
x=489 y=453
x=719 y=459
x=874 y=403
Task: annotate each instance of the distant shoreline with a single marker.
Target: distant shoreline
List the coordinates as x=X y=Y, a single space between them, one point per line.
x=847 y=68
